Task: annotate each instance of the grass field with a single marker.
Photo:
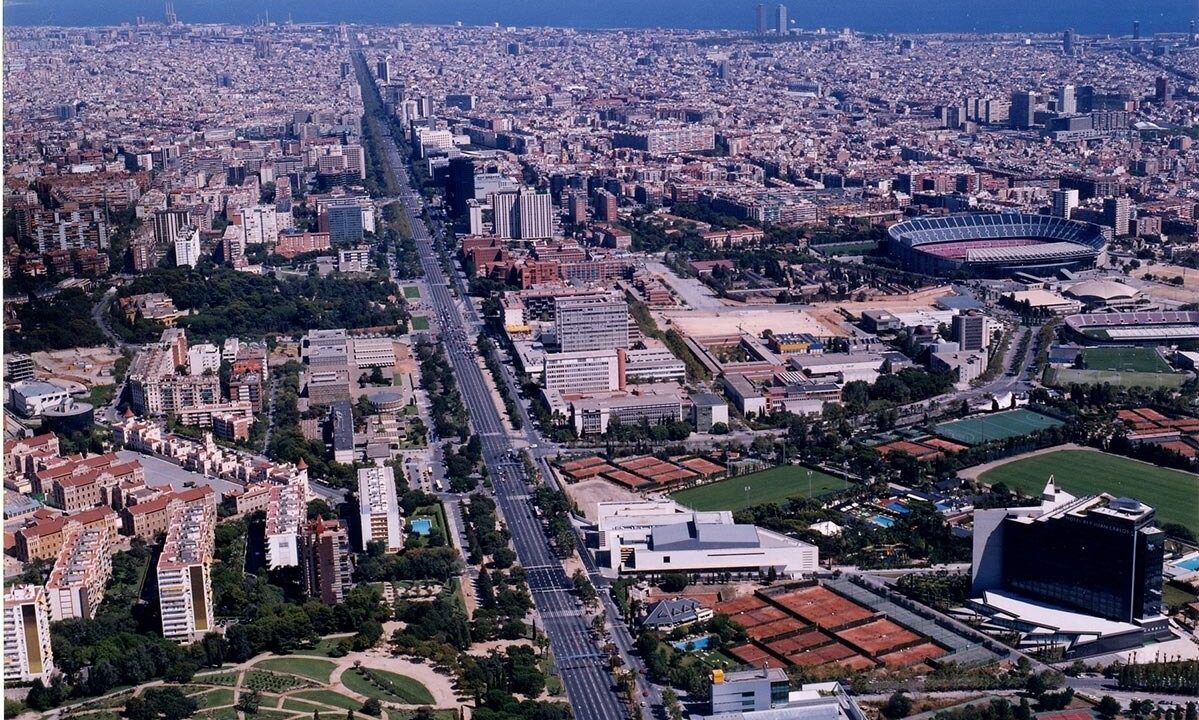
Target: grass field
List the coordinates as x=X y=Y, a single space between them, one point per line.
x=411 y=291
x=328 y=697
x=1127 y=359
x=420 y=322
x=1175 y=494
x=400 y=688
x=999 y=426
x=311 y=668
x=1174 y=596
x=1058 y=377
x=214 y=698
x=769 y=486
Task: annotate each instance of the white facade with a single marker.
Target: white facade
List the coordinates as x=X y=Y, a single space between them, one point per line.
x=286 y=511
x=33 y=397
x=661 y=537
x=582 y=372
x=27 y=652
x=184 y=579
x=379 y=508
x=1065 y=202
x=187 y=247
x=373 y=352
x=202 y=357
x=261 y=224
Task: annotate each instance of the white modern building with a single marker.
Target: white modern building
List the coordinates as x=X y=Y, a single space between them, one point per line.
x=184 y=574
x=660 y=536
x=584 y=371
x=203 y=357
x=187 y=247
x=379 y=508
x=373 y=352
x=260 y=224
x=27 y=652
x=31 y=398
x=286 y=512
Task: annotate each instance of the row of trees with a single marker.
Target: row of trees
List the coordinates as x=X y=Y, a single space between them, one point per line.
x=437 y=378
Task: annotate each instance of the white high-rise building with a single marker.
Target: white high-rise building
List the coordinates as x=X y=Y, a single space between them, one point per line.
x=27 y=652
x=588 y=371
x=355 y=159
x=506 y=207
x=260 y=224
x=1067 y=102
x=184 y=574
x=187 y=247
x=536 y=215
x=591 y=323
x=1064 y=203
x=379 y=508
x=286 y=512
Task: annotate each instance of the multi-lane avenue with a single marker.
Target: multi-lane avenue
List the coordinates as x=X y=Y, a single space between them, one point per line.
x=577 y=656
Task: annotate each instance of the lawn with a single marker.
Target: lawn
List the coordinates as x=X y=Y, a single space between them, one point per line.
x=1061 y=377
x=328 y=697
x=420 y=322
x=222 y=714
x=325 y=645
x=1175 y=494
x=997 y=426
x=1174 y=596
x=311 y=668
x=768 y=486
x=289 y=704
x=387 y=686
x=215 y=698
x=1132 y=359
x=411 y=291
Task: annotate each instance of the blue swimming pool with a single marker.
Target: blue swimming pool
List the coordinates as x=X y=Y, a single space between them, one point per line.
x=422 y=526
x=882 y=521
x=1189 y=563
x=899 y=507
x=698 y=643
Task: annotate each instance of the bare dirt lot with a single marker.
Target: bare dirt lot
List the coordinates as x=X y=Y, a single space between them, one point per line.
x=1188 y=292
x=589 y=493
x=88 y=365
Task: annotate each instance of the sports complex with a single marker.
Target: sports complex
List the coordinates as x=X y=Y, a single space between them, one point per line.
x=1134 y=328
x=995 y=244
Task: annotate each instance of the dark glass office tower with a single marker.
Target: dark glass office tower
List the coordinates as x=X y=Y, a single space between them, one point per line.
x=1100 y=556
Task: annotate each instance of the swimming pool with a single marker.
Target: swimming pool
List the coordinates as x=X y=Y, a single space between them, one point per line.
x=698 y=643
x=882 y=521
x=421 y=526
x=1191 y=563
x=898 y=507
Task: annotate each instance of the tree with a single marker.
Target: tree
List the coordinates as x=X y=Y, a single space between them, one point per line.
x=1108 y=706
x=673 y=582
x=248 y=702
x=372 y=707
x=897 y=706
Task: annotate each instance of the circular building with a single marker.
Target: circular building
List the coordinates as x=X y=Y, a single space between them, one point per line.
x=1103 y=293
x=995 y=244
x=68 y=418
x=387 y=400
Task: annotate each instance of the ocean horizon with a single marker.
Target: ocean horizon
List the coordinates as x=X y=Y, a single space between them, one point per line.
x=1094 y=17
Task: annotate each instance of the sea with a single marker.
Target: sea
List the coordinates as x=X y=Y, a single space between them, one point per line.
x=1098 y=17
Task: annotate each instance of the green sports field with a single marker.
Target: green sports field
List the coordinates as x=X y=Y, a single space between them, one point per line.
x=1059 y=377
x=420 y=322
x=997 y=426
x=1126 y=359
x=1175 y=494
x=768 y=486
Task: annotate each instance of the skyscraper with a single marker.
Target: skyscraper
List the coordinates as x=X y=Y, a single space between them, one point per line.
x=1161 y=91
x=536 y=215
x=168 y=14
x=326 y=564
x=761 y=18
x=1136 y=29
x=1068 y=42
x=780 y=19
x=1117 y=212
x=184 y=579
x=1021 y=114
x=187 y=247
x=1064 y=203
x=383 y=69
x=1067 y=104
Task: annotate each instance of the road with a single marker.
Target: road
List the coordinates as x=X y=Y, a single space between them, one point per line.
x=580 y=663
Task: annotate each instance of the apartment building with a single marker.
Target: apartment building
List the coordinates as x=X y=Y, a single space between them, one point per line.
x=147 y=520
x=44 y=538
x=27 y=652
x=84 y=484
x=379 y=508
x=81 y=570
x=286 y=510
x=184 y=581
x=328 y=567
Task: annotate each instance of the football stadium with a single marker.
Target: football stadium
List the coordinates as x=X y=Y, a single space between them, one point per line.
x=1135 y=328
x=995 y=244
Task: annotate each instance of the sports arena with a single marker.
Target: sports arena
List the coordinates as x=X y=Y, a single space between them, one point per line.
x=1135 y=328
x=995 y=244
